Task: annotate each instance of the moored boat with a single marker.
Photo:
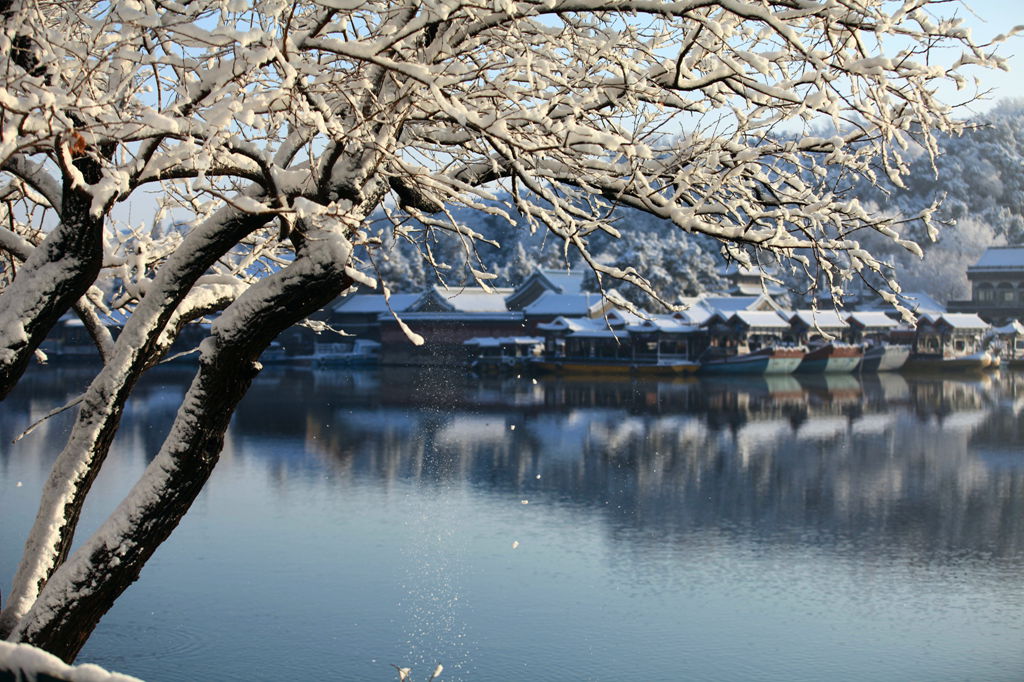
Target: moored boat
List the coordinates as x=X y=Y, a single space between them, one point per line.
x=963 y=363
x=502 y=354
x=765 y=360
x=616 y=367
x=357 y=352
x=831 y=357
x=951 y=341
x=883 y=357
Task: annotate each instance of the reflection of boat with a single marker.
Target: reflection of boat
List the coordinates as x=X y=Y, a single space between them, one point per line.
x=779 y=387
x=872 y=424
x=358 y=352
x=883 y=357
x=765 y=360
x=963 y=420
x=831 y=357
x=760 y=435
x=831 y=386
x=962 y=363
x=616 y=367
x=822 y=428
x=890 y=387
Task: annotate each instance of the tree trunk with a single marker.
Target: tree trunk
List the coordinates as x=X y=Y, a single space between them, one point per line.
x=55 y=276
x=81 y=591
x=100 y=412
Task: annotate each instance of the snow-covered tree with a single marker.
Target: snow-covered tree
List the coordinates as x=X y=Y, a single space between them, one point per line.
x=977 y=183
x=276 y=129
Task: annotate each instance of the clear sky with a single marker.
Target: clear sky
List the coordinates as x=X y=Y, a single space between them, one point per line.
x=992 y=18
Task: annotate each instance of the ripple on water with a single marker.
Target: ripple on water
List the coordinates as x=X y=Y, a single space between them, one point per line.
x=144 y=649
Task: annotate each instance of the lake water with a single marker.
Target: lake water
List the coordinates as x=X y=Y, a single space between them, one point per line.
x=779 y=530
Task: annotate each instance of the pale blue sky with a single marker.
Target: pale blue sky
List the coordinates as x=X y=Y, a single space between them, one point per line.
x=995 y=17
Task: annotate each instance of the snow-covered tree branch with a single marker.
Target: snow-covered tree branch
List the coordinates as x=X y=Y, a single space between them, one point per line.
x=273 y=132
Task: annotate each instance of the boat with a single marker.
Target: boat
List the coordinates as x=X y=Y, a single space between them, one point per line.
x=355 y=353
x=501 y=354
x=959 y=363
x=615 y=367
x=951 y=342
x=764 y=360
x=883 y=357
x=831 y=357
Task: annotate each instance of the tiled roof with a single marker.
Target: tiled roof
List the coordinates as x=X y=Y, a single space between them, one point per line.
x=1001 y=257
x=551 y=303
x=872 y=319
x=373 y=304
x=820 y=319
x=760 y=318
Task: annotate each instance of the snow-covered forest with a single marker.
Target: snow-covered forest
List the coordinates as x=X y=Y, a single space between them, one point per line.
x=978 y=179
x=282 y=132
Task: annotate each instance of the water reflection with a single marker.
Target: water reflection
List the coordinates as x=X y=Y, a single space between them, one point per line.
x=865 y=471
x=882 y=463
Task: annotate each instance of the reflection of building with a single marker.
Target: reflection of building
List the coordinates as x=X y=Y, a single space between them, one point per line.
x=997 y=285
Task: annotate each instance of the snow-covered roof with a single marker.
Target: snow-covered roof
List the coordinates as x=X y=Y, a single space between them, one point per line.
x=551 y=303
x=695 y=313
x=495 y=341
x=461 y=300
x=666 y=324
x=727 y=304
x=734 y=269
x=921 y=303
x=1000 y=258
x=1014 y=327
x=954 y=320
x=819 y=319
x=763 y=319
x=543 y=281
x=583 y=326
x=964 y=321
x=373 y=304
x=872 y=320
x=618 y=317
x=567 y=282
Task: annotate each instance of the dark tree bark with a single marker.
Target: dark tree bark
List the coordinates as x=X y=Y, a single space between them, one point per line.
x=56 y=275
x=64 y=616
x=103 y=403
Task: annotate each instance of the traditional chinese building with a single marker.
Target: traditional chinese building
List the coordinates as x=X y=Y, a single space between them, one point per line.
x=997 y=286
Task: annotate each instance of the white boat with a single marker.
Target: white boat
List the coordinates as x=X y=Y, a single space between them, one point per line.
x=356 y=352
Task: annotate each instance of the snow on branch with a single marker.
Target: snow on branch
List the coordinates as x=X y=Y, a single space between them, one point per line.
x=747 y=121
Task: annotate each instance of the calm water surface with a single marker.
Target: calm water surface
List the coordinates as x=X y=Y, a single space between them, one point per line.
x=778 y=530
